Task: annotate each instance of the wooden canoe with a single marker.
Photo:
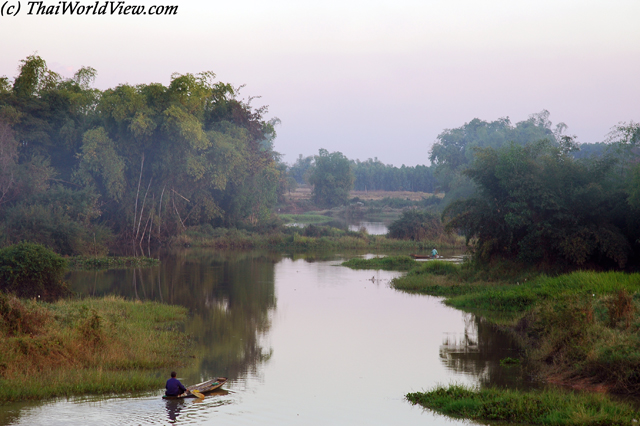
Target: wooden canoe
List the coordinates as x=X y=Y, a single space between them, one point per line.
x=204 y=387
x=422 y=256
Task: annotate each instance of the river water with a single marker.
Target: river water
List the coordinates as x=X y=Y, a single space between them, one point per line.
x=303 y=341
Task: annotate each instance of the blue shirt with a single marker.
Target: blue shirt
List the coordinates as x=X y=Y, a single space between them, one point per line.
x=174 y=387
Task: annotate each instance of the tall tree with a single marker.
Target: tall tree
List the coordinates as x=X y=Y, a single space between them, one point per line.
x=332 y=178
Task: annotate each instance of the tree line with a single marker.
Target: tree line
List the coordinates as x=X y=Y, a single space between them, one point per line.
x=373 y=175
x=539 y=203
x=79 y=166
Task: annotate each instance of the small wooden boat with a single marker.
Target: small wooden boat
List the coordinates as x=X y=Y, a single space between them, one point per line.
x=204 y=387
x=423 y=256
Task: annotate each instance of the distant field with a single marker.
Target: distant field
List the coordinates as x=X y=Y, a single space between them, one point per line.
x=302 y=193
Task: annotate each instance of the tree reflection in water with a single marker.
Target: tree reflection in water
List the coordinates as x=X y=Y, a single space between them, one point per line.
x=230 y=296
x=478 y=351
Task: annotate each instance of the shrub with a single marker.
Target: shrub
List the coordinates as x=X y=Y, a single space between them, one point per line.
x=417 y=226
x=31 y=270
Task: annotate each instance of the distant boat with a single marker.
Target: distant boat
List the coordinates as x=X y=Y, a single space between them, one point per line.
x=424 y=256
x=204 y=387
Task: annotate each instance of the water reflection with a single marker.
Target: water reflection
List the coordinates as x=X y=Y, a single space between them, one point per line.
x=372 y=228
x=229 y=295
x=174 y=406
x=478 y=351
x=341 y=342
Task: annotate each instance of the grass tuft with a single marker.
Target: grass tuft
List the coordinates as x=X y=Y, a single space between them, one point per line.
x=547 y=407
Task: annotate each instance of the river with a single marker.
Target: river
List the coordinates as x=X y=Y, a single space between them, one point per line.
x=303 y=341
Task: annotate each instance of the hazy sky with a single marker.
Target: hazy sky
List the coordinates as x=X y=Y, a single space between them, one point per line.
x=367 y=78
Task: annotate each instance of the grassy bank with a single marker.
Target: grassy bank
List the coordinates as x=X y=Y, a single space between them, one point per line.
x=109 y=262
x=581 y=328
x=75 y=347
x=311 y=238
x=547 y=407
x=306 y=218
x=388 y=263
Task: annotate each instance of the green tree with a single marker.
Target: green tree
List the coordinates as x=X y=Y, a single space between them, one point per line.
x=332 y=178
x=301 y=169
x=454 y=149
x=537 y=204
x=417 y=226
x=31 y=270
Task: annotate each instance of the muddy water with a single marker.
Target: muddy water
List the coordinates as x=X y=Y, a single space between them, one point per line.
x=302 y=340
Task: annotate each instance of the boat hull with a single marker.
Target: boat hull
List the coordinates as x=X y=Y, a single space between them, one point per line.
x=204 y=387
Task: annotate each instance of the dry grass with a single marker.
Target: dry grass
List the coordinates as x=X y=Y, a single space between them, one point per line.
x=57 y=346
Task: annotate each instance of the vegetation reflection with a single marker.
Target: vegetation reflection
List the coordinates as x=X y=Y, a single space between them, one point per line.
x=229 y=295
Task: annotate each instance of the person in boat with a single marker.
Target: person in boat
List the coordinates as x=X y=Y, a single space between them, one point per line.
x=174 y=387
x=434 y=253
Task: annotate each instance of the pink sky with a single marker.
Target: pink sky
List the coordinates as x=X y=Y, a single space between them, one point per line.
x=368 y=78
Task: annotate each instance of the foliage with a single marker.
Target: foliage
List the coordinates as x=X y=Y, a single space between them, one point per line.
x=332 y=179
x=416 y=225
x=545 y=407
x=31 y=270
x=454 y=149
x=373 y=175
x=301 y=169
x=537 y=204
x=144 y=161
x=61 y=219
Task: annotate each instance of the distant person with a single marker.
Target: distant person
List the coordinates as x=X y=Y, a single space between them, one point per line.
x=434 y=253
x=174 y=387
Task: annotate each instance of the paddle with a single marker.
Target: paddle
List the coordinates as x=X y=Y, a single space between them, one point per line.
x=197 y=393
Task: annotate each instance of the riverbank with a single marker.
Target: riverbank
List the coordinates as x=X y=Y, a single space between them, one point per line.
x=109 y=262
x=544 y=407
x=310 y=238
x=579 y=329
x=89 y=346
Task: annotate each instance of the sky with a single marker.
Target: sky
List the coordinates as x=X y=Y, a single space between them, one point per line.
x=366 y=78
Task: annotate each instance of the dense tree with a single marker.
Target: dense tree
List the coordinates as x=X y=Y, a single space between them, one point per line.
x=373 y=175
x=332 y=178
x=538 y=204
x=416 y=225
x=31 y=270
x=301 y=168
x=148 y=159
x=454 y=150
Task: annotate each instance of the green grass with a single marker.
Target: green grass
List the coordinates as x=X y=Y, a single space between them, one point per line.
x=74 y=347
x=546 y=407
x=388 y=263
x=109 y=262
x=305 y=218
